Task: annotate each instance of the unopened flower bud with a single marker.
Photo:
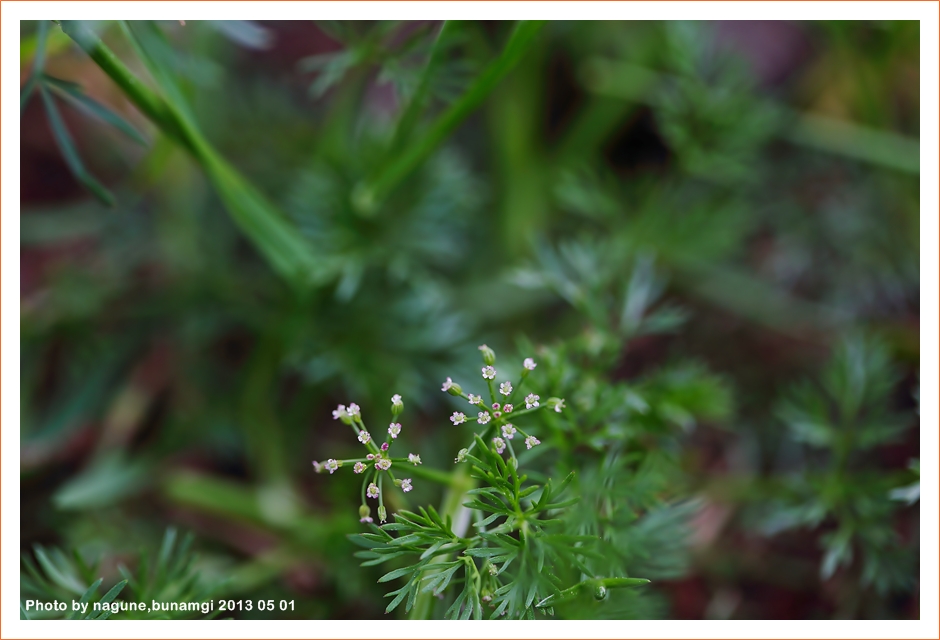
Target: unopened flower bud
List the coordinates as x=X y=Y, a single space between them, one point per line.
x=461 y=455
x=383 y=514
x=451 y=387
x=397 y=405
x=365 y=511
x=489 y=356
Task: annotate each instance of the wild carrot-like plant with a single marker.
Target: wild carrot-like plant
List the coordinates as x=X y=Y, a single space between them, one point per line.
x=503 y=547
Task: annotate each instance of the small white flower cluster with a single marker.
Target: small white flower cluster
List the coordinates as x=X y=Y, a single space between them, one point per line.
x=377 y=454
x=498 y=413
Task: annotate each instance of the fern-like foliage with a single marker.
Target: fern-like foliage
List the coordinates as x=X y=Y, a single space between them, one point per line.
x=51 y=574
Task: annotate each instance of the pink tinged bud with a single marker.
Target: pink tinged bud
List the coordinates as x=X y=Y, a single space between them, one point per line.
x=384 y=446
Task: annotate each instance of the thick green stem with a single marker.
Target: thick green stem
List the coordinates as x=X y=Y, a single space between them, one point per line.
x=279 y=242
x=452 y=506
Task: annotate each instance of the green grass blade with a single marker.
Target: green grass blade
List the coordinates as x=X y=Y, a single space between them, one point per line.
x=368 y=195
x=74 y=94
x=69 y=153
x=107 y=598
x=89 y=592
x=69 y=583
x=273 y=235
x=39 y=62
x=410 y=117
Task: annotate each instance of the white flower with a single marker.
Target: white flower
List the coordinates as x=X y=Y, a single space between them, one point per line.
x=414 y=459
x=396 y=399
x=331 y=465
x=489 y=372
x=531 y=401
x=556 y=403
x=372 y=491
x=353 y=410
x=500 y=444
x=474 y=399
x=366 y=519
x=340 y=412
x=406 y=485
x=447 y=385
x=483 y=417
x=383 y=464
x=359 y=467
x=531 y=441
x=505 y=388
x=458 y=418
x=529 y=364
x=318 y=466
x=364 y=437
x=507 y=408
x=461 y=455
x=394 y=429
x=508 y=431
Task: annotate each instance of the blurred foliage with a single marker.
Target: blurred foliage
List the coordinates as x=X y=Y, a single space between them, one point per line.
x=707 y=234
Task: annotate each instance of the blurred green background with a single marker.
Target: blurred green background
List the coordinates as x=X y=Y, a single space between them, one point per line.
x=720 y=216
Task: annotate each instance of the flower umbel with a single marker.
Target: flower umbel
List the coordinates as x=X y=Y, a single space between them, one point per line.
x=383 y=464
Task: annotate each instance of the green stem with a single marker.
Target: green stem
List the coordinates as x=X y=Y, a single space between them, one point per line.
x=452 y=506
x=275 y=238
x=368 y=195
